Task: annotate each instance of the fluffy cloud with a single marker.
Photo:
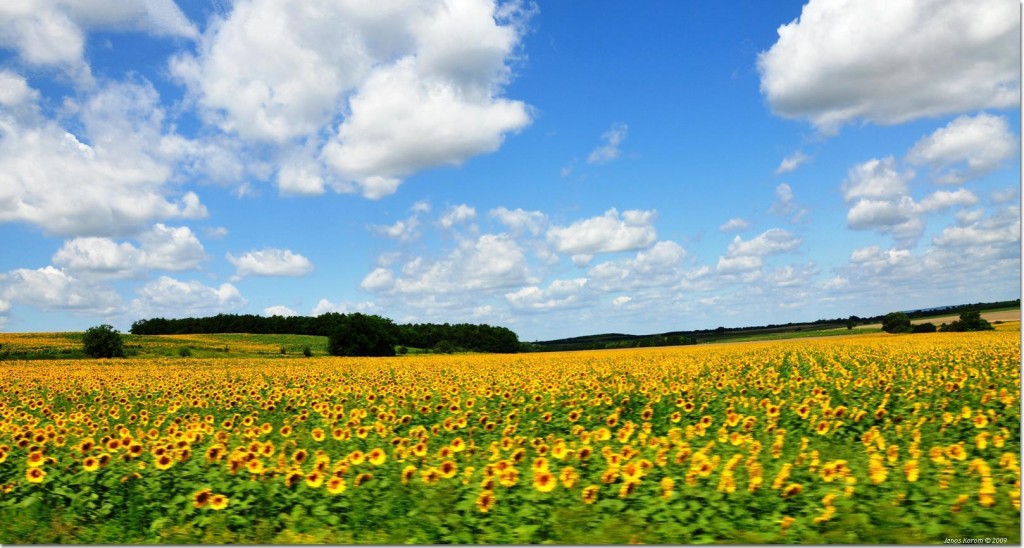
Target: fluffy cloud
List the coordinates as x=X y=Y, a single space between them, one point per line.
x=14 y=90
x=161 y=248
x=609 y=150
x=112 y=181
x=457 y=214
x=279 y=310
x=606 y=233
x=382 y=91
x=520 y=221
x=785 y=204
x=875 y=179
x=967 y=148
x=734 y=224
x=166 y=295
x=1001 y=229
x=891 y=62
x=491 y=261
x=50 y=288
x=770 y=242
x=270 y=262
x=559 y=294
x=879 y=194
x=380 y=279
x=52 y=32
x=791 y=162
x=658 y=266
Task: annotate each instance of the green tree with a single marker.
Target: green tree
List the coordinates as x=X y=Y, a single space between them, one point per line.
x=969 y=321
x=362 y=335
x=896 y=322
x=444 y=347
x=103 y=341
x=927 y=327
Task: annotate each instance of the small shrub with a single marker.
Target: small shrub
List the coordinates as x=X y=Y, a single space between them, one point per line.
x=896 y=322
x=184 y=352
x=284 y=350
x=402 y=350
x=103 y=341
x=307 y=352
x=927 y=327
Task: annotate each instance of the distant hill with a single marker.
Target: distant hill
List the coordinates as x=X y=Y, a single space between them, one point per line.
x=677 y=338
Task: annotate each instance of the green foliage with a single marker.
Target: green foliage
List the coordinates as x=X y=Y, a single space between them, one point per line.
x=362 y=335
x=896 y=322
x=927 y=327
x=444 y=347
x=306 y=351
x=103 y=341
x=969 y=321
x=184 y=352
x=403 y=350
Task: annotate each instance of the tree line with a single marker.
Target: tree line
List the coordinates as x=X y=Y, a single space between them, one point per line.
x=348 y=334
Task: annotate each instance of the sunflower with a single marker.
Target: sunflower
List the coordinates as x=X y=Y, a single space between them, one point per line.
x=36 y=459
x=667 y=487
x=135 y=450
x=300 y=456
x=589 y=494
x=792 y=489
x=569 y=476
x=420 y=449
x=318 y=434
x=458 y=445
x=35 y=475
x=430 y=476
x=407 y=473
x=544 y=481
x=255 y=467
x=336 y=485
x=628 y=488
x=90 y=464
x=448 y=469
x=377 y=456
x=163 y=462
x=485 y=501
x=361 y=479
x=315 y=479
x=285 y=431
x=292 y=477
x=218 y=502
x=508 y=477
x=201 y=498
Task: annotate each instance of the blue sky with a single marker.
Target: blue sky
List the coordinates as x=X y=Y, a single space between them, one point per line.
x=560 y=169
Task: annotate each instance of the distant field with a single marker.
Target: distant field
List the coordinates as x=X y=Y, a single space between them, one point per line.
x=229 y=345
x=1007 y=315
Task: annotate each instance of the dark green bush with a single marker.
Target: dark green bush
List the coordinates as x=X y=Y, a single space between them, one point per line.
x=103 y=341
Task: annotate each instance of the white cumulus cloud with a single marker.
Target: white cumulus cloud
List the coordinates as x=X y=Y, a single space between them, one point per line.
x=169 y=296
x=610 y=232
x=113 y=180
x=51 y=288
x=279 y=310
x=889 y=62
x=270 y=262
x=371 y=92
x=160 y=248
x=967 y=148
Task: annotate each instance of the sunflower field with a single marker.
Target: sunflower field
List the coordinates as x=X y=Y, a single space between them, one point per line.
x=859 y=439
